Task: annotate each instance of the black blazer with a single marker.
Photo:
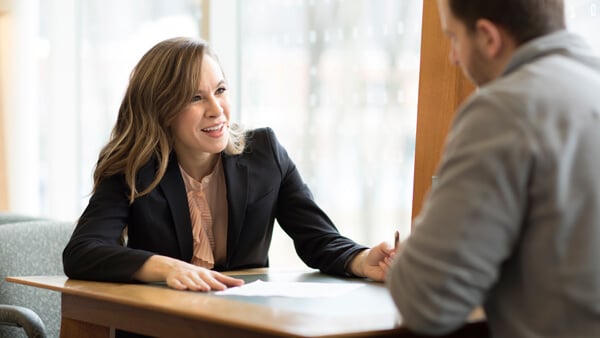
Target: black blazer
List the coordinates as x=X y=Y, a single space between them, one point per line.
x=263 y=184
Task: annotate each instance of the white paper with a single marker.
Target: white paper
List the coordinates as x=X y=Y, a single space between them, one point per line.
x=291 y=289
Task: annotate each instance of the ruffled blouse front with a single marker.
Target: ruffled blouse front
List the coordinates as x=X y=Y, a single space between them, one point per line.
x=207 y=202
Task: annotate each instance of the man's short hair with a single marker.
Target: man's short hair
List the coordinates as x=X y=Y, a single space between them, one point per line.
x=523 y=19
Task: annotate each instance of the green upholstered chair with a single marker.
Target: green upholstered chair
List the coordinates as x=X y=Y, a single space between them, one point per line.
x=28 y=248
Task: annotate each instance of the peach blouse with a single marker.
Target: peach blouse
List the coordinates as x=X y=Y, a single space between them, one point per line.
x=207 y=200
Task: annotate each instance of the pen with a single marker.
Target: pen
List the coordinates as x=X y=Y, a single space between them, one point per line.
x=396 y=240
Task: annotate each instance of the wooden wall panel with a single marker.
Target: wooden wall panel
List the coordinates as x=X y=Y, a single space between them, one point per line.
x=3 y=165
x=442 y=87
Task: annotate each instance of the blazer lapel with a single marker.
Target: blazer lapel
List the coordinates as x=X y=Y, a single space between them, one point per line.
x=236 y=179
x=174 y=189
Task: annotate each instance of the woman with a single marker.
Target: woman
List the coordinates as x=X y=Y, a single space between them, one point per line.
x=196 y=193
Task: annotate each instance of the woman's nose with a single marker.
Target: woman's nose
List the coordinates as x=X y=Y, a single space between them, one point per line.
x=215 y=108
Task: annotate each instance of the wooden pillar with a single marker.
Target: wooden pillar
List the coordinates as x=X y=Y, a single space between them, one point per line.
x=3 y=165
x=442 y=88
x=205 y=22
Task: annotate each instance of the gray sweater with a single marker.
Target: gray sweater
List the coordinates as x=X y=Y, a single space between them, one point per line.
x=513 y=223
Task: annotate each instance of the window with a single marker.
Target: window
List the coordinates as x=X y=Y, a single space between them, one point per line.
x=583 y=17
x=337 y=81
x=72 y=63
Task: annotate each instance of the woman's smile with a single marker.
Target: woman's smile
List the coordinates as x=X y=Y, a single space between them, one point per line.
x=215 y=131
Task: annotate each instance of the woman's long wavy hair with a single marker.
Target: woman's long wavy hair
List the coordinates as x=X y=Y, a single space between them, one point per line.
x=160 y=86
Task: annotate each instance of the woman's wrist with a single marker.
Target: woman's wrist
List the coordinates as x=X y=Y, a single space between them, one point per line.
x=357 y=263
x=155 y=269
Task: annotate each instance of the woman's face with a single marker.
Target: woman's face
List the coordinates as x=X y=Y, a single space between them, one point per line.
x=202 y=127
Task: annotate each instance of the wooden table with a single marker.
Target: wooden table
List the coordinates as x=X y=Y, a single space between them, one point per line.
x=96 y=309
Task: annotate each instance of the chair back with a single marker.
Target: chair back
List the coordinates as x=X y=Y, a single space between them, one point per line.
x=29 y=248
x=9 y=217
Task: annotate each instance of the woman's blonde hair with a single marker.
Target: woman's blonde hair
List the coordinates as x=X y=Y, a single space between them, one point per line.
x=160 y=86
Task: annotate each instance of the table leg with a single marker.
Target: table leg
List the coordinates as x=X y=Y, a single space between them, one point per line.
x=71 y=328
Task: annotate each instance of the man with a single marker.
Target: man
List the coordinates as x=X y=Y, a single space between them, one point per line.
x=513 y=222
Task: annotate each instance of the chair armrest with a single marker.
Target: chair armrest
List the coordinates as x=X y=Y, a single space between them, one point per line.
x=13 y=315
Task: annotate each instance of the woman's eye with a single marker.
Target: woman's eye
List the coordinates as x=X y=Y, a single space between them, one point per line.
x=196 y=98
x=221 y=90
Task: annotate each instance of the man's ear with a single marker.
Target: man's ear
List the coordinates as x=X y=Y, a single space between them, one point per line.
x=489 y=38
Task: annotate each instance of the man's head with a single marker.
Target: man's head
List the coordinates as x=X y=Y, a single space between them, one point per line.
x=522 y=19
x=484 y=34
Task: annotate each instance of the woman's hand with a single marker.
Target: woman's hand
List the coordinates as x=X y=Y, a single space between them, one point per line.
x=191 y=277
x=373 y=263
x=183 y=276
